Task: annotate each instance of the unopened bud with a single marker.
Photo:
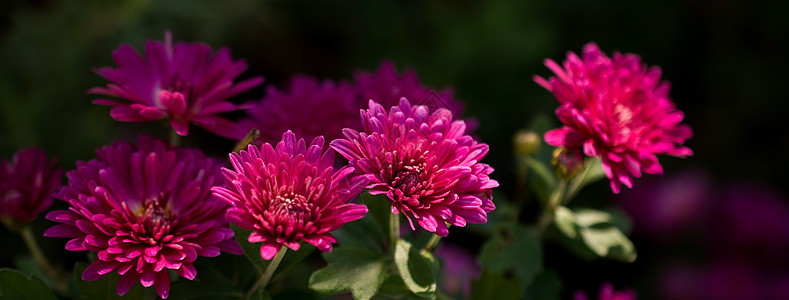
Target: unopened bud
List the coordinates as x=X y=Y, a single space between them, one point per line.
x=567 y=162
x=526 y=143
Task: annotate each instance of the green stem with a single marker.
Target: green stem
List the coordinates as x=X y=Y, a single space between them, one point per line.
x=42 y=261
x=174 y=138
x=394 y=230
x=248 y=139
x=433 y=242
x=556 y=199
x=272 y=266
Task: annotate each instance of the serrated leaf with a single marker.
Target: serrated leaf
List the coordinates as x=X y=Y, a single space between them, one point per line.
x=516 y=248
x=417 y=268
x=609 y=242
x=15 y=285
x=251 y=251
x=104 y=288
x=595 y=232
x=359 y=271
x=491 y=285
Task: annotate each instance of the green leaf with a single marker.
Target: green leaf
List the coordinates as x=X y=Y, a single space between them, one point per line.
x=542 y=179
x=251 y=251
x=15 y=285
x=293 y=257
x=515 y=248
x=546 y=286
x=359 y=271
x=104 y=288
x=595 y=232
x=394 y=286
x=564 y=219
x=362 y=233
x=379 y=207
x=491 y=285
x=210 y=283
x=417 y=268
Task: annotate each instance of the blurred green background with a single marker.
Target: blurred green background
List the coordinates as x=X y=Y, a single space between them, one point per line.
x=726 y=61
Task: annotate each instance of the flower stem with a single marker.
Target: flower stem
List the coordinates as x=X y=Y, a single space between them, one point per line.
x=433 y=242
x=174 y=138
x=394 y=230
x=272 y=266
x=556 y=199
x=248 y=139
x=42 y=261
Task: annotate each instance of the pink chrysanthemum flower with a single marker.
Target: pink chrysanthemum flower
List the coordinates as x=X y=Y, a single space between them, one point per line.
x=289 y=194
x=308 y=108
x=386 y=87
x=618 y=110
x=145 y=210
x=607 y=292
x=424 y=163
x=26 y=185
x=183 y=84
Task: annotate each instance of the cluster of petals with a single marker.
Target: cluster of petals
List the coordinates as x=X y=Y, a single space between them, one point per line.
x=423 y=162
x=184 y=84
x=616 y=109
x=145 y=210
x=290 y=193
x=607 y=292
x=386 y=86
x=308 y=107
x=26 y=185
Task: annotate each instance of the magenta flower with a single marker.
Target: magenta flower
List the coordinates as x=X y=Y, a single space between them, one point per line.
x=386 y=87
x=607 y=292
x=26 y=185
x=289 y=194
x=424 y=164
x=183 y=84
x=308 y=108
x=145 y=210
x=618 y=110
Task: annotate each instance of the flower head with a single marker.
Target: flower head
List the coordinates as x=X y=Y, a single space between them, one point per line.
x=386 y=87
x=289 y=194
x=26 y=185
x=616 y=109
x=183 y=84
x=424 y=163
x=145 y=210
x=607 y=292
x=308 y=108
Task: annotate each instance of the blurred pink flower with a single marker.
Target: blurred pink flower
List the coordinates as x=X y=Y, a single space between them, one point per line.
x=308 y=108
x=26 y=185
x=669 y=206
x=424 y=163
x=183 y=84
x=458 y=268
x=618 y=110
x=289 y=194
x=145 y=210
x=386 y=87
x=607 y=292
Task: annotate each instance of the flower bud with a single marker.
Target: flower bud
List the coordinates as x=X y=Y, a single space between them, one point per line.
x=567 y=162
x=526 y=143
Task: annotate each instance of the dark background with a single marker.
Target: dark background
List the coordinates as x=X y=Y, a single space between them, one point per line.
x=726 y=61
